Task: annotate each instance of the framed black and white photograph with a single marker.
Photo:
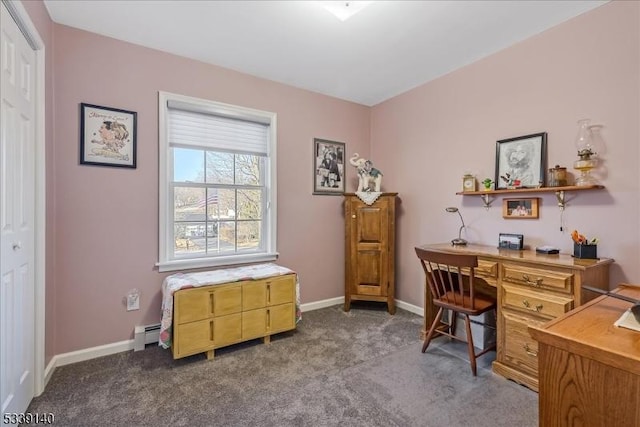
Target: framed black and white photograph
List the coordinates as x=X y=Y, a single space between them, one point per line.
x=328 y=167
x=107 y=136
x=521 y=162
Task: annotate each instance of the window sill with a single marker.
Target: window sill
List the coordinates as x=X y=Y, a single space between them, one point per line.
x=188 y=264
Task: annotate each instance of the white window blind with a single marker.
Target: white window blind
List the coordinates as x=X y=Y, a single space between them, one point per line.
x=218 y=186
x=208 y=130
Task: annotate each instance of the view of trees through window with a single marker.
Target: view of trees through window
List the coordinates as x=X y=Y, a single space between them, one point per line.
x=218 y=202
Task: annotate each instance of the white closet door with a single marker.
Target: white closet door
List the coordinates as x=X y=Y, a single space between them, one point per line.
x=17 y=204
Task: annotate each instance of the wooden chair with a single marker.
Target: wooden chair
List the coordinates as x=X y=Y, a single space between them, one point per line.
x=452 y=290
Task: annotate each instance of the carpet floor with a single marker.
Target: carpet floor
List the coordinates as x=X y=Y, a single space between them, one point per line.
x=361 y=368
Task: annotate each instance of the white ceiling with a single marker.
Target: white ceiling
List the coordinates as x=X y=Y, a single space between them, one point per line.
x=384 y=50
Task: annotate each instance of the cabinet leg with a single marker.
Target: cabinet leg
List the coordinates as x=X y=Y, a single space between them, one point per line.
x=347 y=303
x=267 y=339
x=391 y=306
x=210 y=355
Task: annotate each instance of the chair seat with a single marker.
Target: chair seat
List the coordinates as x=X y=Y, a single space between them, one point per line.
x=451 y=300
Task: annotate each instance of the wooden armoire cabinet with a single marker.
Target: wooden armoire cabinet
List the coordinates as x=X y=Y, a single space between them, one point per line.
x=370 y=250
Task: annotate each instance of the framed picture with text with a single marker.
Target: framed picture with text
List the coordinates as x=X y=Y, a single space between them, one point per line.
x=107 y=136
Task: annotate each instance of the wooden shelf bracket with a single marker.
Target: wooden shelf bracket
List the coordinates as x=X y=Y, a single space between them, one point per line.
x=487 y=200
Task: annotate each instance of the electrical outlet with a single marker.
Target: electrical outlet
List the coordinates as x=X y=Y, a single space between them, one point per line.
x=133 y=300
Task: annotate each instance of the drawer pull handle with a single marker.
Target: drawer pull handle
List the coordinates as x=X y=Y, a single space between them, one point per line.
x=211 y=330
x=268 y=292
x=527 y=304
x=268 y=319
x=537 y=283
x=529 y=351
x=211 y=300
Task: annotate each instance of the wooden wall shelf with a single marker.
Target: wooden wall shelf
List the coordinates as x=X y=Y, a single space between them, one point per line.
x=559 y=191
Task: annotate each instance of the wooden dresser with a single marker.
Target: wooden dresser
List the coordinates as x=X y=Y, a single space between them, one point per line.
x=589 y=368
x=532 y=289
x=210 y=317
x=370 y=250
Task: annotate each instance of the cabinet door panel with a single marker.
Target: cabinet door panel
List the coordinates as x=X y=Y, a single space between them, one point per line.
x=371 y=224
x=280 y=318
x=194 y=337
x=370 y=276
x=254 y=324
x=281 y=290
x=227 y=330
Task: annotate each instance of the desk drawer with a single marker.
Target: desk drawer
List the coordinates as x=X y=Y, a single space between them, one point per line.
x=536 y=302
x=520 y=350
x=486 y=270
x=537 y=278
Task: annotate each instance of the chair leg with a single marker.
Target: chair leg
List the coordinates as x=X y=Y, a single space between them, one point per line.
x=472 y=352
x=432 y=329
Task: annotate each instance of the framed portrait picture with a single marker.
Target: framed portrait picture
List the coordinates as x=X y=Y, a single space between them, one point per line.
x=520 y=208
x=107 y=136
x=328 y=167
x=521 y=162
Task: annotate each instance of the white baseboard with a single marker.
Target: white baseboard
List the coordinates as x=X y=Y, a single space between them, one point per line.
x=340 y=300
x=310 y=306
x=410 y=307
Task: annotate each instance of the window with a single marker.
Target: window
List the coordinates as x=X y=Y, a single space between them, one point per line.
x=217 y=184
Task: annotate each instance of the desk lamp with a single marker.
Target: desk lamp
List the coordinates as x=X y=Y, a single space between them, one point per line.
x=459 y=241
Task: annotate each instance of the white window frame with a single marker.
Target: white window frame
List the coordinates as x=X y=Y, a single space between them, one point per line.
x=166 y=262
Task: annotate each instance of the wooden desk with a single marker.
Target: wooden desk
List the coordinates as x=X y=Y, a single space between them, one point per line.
x=532 y=289
x=590 y=369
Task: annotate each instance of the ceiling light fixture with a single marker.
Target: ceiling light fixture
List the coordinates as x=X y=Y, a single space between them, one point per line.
x=344 y=10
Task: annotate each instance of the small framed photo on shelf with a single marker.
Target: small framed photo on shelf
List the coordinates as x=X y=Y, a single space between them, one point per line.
x=328 y=167
x=107 y=136
x=520 y=208
x=521 y=162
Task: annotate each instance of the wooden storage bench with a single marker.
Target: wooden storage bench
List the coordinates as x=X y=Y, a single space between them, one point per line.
x=206 y=317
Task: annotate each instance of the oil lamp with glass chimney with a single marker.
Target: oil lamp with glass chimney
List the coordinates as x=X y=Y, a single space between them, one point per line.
x=587 y=151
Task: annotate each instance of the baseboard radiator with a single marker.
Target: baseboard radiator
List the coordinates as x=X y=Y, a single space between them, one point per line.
x=144 y=335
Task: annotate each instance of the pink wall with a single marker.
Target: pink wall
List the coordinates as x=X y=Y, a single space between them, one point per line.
x=102 y=222
x=107 y=218
x=588 y=67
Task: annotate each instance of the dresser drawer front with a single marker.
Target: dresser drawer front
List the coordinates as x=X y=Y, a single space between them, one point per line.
x=227 y=300
x=254 y=323
x=192 y=305
x=194 y=337
x=537 y=278
x=227 y=330
x=281 y=290
x=254 y=295
x=539 y=303
x=520 y=350
x=281 y=318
